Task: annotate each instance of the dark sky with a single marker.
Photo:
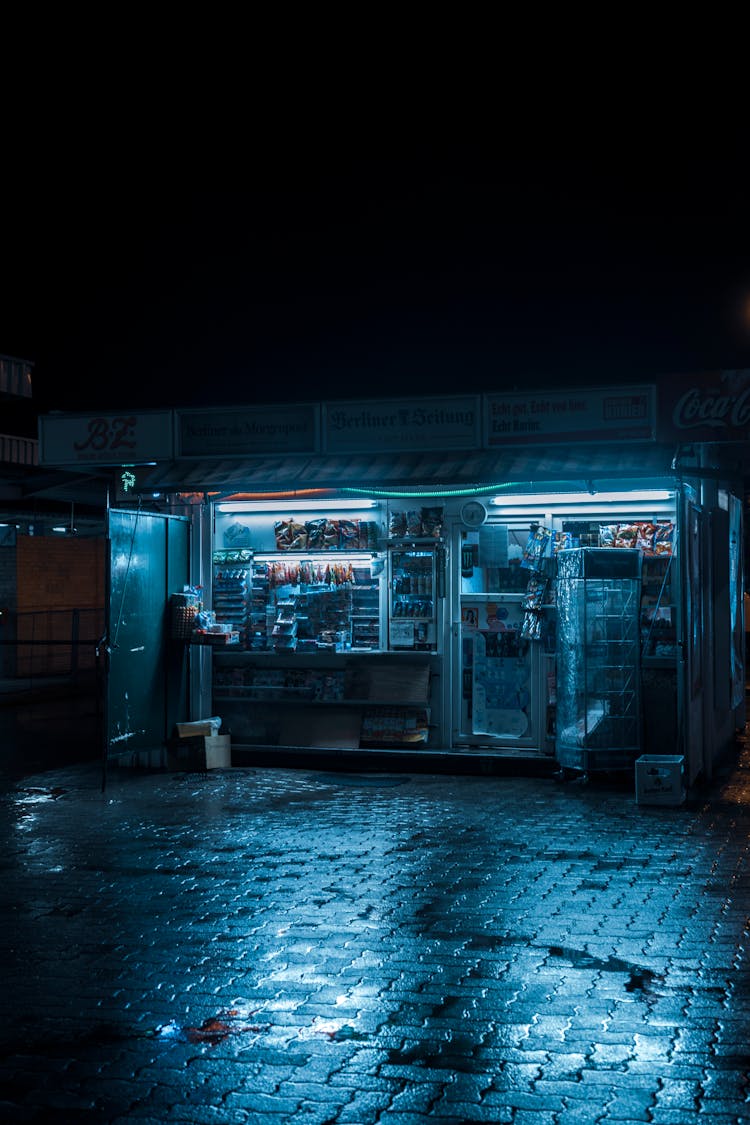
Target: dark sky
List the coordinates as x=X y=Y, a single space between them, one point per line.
x=326 y=270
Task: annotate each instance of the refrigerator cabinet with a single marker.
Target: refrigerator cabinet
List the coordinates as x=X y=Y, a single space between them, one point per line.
x=412 y=600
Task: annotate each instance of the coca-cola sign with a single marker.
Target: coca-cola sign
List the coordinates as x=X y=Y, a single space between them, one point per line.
x=710 y=407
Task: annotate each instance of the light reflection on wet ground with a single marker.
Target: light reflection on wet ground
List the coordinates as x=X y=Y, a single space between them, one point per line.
x=259 y=944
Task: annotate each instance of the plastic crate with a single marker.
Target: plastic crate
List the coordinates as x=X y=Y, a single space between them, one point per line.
x=660 y=779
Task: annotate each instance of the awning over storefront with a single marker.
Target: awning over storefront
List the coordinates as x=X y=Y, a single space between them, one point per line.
x=483 y=469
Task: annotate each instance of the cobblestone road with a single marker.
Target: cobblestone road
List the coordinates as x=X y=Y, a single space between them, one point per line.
x=259 y=945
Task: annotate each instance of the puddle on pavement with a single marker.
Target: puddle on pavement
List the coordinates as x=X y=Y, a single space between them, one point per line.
x=447 y=1055
x=366 y=780
x=37 y=796
x=330 y=1029
x=496 y=941
x=213 y=1030
x=638 y=977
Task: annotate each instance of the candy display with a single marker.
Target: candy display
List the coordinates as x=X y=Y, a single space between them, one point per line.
x=309 y=573
x=325 y=535
x=650 y=537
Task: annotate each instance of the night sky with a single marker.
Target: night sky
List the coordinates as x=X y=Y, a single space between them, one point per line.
x=327 y=271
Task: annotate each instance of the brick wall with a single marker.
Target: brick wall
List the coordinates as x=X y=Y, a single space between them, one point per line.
x=55 y=577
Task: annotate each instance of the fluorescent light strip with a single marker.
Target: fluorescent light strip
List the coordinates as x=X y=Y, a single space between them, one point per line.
x=566 y=499
x=312 y=556
x=251 y=506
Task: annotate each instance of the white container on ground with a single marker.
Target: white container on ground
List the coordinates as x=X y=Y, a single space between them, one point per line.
x=660 y=779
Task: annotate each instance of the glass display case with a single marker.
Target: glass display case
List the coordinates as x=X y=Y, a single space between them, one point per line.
x=412 y=598
x=302 y=604
x=598 y=658
x=314 y=668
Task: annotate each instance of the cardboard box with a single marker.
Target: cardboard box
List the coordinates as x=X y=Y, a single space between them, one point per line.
x=199 y=729
x=200 y=753
x=660 y=779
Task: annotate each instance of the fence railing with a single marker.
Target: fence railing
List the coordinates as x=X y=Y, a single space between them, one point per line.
x=49 y=642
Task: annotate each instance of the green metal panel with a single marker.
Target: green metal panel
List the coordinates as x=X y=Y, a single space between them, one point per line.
x=146 y=672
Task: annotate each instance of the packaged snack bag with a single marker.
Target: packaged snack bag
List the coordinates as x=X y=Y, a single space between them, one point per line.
x=663 y=537
x=349 y=533
x=531 y=628
x=627 y=534
x=645 y=538
x=331 y=534
x=536 y=547
x=535 y=592
x=298 y=532
x=432 y=522
x=315 y=532
x=414 y=522
x=563 y=540
x=282 y=529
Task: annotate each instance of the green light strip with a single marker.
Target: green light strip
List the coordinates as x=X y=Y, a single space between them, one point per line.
x=400 y=494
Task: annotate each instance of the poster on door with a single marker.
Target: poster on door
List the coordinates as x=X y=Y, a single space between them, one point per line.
x=501 y=685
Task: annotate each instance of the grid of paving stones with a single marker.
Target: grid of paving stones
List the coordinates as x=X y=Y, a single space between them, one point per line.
x=263 y=945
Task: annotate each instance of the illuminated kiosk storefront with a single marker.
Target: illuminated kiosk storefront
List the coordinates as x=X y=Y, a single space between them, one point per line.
x=383 y=577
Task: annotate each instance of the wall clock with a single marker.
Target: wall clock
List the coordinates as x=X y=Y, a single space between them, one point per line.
x=473 y=513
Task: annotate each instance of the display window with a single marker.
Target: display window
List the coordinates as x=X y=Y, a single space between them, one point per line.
x=336 y=611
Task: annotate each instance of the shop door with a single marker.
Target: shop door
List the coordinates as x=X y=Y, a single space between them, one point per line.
x=693 y=647
x=496 y=668
x=146 y=673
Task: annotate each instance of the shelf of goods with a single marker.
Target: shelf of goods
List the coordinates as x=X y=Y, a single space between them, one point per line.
x=231 y=591
x=412 y=597
x=334 y=699
x=282 y=603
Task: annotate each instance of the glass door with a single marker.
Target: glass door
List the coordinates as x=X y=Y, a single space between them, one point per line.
x=497 y=667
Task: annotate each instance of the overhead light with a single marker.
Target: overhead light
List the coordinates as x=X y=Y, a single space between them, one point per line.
x=251 y=506
x=566 y=499
x=333 y=556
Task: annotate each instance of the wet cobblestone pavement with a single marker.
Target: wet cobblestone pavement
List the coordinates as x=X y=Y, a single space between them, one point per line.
x=258 y=945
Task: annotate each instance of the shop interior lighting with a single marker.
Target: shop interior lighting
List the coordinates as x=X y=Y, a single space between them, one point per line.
x=566 y=499
x=313 y=556
x=250 y=506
